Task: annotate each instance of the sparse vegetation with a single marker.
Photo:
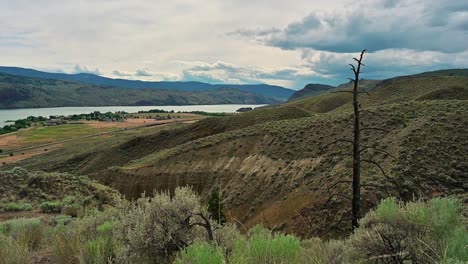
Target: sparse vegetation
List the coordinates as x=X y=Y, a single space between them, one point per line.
x=50 y=192
x=166 y=228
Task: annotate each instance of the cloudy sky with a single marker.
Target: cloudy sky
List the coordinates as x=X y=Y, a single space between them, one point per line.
x=289 y=43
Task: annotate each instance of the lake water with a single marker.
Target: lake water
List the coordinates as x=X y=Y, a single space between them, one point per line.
x=14 y=114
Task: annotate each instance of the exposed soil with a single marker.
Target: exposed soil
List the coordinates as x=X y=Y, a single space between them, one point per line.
x=9 y=140
x=131 y=122
x=27 y=154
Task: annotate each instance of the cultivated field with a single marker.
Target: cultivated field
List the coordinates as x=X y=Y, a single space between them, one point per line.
x=40 y=139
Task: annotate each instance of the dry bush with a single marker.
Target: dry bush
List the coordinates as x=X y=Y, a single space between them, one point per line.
x=154 y=229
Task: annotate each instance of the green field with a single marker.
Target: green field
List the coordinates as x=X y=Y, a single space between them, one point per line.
x=43 y=134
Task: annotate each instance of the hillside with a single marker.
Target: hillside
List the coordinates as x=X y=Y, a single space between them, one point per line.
x=277 y=92
x=20 y=187
x=439 y=73
x=311 y=89
x=314 y=89
x=271 y=165
x=26 y=92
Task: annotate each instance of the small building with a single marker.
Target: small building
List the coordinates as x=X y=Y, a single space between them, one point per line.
x=55 y=122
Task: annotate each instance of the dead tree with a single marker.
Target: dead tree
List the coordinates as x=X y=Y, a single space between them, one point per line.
x=358 y=149
x=356 y=200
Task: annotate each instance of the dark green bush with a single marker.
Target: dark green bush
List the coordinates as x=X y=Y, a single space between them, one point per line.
x=16 y=207
x=27 y=232
x=51 y=207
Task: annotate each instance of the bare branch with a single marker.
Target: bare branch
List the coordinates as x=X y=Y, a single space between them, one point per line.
x=378 y=150
x=330 y=197
x=374 y=128
x=378 y=166
x=340 y=154
x=338 y=141
x=370 y=112
x=351 y=79
x=370 y=185
x=353 y=68
x=336 y=183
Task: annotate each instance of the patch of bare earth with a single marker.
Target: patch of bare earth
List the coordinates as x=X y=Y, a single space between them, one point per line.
x=27 y=154
x=9 y=140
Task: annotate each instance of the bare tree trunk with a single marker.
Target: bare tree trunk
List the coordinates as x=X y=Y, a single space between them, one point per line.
x=356 y=199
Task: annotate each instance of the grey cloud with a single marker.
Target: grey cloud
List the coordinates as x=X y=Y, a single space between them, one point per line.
x=389 y=25
x=84 y=69
x=142 y=73
x=121 y=74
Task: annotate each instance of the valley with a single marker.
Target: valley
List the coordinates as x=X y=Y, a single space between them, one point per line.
x=270 y=166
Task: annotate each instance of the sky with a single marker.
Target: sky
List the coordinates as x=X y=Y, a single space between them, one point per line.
x=288 y=43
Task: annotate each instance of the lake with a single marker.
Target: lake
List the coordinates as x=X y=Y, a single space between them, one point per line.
x=14 y=114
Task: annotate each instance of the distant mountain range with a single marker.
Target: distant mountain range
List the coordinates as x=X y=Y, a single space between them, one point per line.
x=277 y=92
x=28 y=92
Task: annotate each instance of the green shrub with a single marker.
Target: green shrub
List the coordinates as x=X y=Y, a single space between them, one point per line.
x=100 y=250
x=51 y=207
x=12 y=252
x=16 y=207
x=200 y=253
x=11 y=207
x=62 y=220
x=420 y=232
x=316 y=251
x=25 y=207
x=72 y=210
x=457 y=247
x=226 y=237
x=153 y=230
x=67 y=244
x=71 y=200
x=27 y=232
x=105 y=228
x=262 y=246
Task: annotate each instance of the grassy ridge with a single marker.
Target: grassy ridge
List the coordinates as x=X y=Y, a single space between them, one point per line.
x=431 y=88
